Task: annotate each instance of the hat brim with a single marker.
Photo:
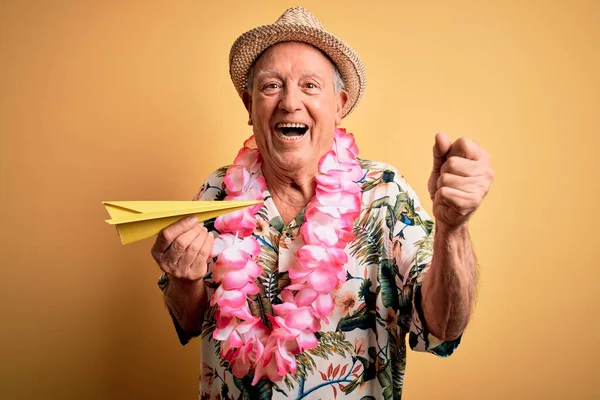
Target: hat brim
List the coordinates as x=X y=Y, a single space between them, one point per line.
x=250 y=45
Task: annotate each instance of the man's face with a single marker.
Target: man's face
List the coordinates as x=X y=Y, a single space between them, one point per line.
x=293 y=106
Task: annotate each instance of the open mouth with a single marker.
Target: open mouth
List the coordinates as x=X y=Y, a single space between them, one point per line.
x=290 y=131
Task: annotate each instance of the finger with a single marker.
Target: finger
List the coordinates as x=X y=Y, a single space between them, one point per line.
x=178 y=246
x=464 y=184
x=200 y=265
x=463 y=167
x=463 y=203
x=189 y=255
x=167 y=235
x=440 y=149
x=465 y=148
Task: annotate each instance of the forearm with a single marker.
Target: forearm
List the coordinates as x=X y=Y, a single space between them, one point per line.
x=448 y=291
x=187 y=301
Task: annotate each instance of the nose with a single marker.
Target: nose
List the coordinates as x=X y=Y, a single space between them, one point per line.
x=290 y=100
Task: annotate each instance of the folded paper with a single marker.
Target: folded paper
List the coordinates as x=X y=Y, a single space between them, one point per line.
x=137 y=220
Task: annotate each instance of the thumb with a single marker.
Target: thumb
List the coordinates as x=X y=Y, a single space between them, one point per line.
x=440 y=149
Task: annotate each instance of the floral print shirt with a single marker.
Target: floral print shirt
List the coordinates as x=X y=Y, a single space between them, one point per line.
x=362 y=350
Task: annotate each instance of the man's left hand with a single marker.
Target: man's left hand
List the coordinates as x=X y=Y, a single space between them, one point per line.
x=460 y=179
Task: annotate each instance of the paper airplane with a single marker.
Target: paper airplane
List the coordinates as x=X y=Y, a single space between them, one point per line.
x=137 y=220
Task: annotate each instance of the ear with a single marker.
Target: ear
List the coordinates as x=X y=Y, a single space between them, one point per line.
x=341 y=100
x=247 y=99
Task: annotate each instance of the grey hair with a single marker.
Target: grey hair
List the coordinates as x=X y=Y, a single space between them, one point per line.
x=338 y=82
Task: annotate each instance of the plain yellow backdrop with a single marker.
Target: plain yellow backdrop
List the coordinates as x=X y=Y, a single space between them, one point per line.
x=131 y=100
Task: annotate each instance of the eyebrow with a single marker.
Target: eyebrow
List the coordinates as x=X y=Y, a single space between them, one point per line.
x=269 y=73
x=266 y=74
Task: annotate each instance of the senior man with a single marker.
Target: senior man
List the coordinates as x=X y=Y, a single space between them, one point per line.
x=312 y=293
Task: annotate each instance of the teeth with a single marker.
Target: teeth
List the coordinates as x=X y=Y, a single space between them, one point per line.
x=289 y=125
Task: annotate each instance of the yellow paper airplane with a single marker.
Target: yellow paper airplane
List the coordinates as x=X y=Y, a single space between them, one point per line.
x=137 y=220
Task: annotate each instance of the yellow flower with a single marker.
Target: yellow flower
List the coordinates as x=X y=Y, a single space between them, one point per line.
x=262 y=227
x=346 y=301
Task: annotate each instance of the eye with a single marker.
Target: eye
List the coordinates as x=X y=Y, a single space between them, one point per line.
x=311 y=87
x=271 y=86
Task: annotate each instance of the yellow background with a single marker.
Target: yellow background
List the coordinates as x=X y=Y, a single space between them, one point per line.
x=126 y=100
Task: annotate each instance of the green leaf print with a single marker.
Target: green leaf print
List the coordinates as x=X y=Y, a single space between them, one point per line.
x=220 y=195
x=220 y=173
x=365 y=317
x=366 y=164
x=277 y=223
x=262 y=391
x=401 y=203
x=284 y=281
x=397 y=357
x=209 y=324
x=329 y=343
x=382 y=202
x=390 y=220
x=263 y=213
x=224 y=391
x=424 y=249
x=270 y=269
x=260 y=306
x=384 y=376
x=377 y=366
x=387 y=281
x=369 y=185
x=428 y=225
x=367 y=244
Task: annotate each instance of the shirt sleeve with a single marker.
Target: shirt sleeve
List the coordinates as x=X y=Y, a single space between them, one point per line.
x=211 y=190
x=413 y=242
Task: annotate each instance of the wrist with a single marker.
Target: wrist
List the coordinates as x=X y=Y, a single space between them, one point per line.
x=184 y=284
x=449 y=230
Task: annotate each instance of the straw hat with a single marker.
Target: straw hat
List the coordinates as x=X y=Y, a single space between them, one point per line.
x=298 y=25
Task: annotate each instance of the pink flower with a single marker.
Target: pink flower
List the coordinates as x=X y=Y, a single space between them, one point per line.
x=330 y=163
x=248 y=158
x=236 y=179
x=336 y=181
x=278 y=360
x=241 y=221
x=239 y=278
x=242 y=341
x=227 y=241
x=324 y=229
x=323 y=307
x=250 y=142
x=315 y=258
x=346 y=202
x=233 y=299
x=345 y=141
x=292 y=316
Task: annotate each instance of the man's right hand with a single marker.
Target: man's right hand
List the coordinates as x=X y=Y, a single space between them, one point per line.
x=182 y=249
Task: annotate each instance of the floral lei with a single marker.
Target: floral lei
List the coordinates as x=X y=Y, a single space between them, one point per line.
x=248 y=342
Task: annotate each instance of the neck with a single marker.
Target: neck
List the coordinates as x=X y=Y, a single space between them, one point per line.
x=290 y=192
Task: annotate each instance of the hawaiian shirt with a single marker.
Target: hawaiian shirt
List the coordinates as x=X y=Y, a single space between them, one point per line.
x=362 y=349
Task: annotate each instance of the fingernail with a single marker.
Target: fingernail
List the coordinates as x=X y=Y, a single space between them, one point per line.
x=193 y=220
